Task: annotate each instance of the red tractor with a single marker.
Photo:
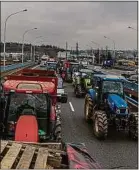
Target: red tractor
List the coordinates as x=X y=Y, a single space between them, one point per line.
x=32 y=113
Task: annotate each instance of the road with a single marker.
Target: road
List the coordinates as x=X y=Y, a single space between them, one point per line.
x=118 y=150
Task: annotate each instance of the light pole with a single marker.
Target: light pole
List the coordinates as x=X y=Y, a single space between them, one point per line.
x=98 y=49
x=113 y=44
x=5 y=32
x=34 y=47
x=23 y=42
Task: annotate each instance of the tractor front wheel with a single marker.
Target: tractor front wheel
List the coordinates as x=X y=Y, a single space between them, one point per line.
x=78 y=91
x=133 y=126
x=88 y=107
x=100 y=124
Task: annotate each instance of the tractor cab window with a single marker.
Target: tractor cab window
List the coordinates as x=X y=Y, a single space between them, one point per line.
x=21 y=101
x=112 y=87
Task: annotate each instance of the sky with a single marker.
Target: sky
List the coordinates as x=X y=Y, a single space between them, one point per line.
x=82 y=22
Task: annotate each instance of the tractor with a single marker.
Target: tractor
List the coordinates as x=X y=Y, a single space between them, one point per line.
x=31 y=110
x=105 y=106
x=51 y=65
x=69 y=68
x=82 y=82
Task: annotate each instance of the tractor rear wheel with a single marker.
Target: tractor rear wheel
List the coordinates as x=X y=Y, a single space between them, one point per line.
x=88 y=108
x=78 y=91
x=100 y=124
x=133 y=126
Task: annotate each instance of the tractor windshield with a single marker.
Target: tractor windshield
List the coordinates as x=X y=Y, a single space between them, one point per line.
x=21 y=101
x=113 y=87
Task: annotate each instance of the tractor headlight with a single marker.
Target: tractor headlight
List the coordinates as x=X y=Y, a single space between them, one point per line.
x=118 y=111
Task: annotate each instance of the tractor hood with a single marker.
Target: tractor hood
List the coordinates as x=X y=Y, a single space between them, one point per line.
x=116 y=101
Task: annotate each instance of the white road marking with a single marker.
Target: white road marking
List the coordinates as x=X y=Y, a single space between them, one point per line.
x=35 y=66
x=71 y=106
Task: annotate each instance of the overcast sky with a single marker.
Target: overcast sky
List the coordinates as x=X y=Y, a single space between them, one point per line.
x=59 y=22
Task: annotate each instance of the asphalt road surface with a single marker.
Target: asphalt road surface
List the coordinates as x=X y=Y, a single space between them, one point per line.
x=116 y=151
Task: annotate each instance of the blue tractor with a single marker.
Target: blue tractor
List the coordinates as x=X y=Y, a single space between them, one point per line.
x=105 y=105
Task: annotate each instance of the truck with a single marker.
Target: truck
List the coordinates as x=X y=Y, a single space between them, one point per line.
x=32 y=110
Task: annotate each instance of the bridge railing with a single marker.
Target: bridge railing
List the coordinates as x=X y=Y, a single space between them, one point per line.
x=14 y=66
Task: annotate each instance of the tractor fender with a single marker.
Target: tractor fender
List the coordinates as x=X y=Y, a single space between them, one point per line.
x=92 y=94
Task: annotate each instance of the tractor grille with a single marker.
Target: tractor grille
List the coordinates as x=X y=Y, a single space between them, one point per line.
x=122 y=110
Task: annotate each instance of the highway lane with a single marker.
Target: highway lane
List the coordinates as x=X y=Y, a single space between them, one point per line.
x=117 y=150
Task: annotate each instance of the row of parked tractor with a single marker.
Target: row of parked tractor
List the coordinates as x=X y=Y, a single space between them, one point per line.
x=105 y=103
x=31 y=113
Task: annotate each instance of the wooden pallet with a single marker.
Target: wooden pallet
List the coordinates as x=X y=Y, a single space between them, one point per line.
x=15 y=155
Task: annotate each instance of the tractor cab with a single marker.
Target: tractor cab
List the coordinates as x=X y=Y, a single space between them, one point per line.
x=51 y=65
x=106 y=85
x=23 y=106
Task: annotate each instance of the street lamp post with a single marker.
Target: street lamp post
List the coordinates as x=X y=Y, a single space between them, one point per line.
x=34 y=47
x=98 y=49
x=113 y=44
x=23 y=43
x=5 y=32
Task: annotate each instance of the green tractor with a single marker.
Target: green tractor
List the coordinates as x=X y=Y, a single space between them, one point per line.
x=82 y=82
x=106 y=106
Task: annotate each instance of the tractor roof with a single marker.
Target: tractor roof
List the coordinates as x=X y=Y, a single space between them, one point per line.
x=86 y=71
x=109 y=77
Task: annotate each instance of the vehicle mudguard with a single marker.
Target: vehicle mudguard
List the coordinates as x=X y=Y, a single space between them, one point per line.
x=79 y=158
x=92 y=94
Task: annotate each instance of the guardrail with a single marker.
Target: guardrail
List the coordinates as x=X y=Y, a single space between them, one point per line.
x=131 y=85
x=132 y=101
x=124 y=68
x=14 y=66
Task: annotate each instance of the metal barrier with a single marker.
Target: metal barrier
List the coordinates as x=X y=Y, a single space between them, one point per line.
x=132 y=101
x=131 y=85
x=14 y=66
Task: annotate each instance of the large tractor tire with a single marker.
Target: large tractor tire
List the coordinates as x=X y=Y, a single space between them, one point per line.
x=58 y=131
x=88 y=108
x=133 y=126
x=100 y=124
x=78 y=91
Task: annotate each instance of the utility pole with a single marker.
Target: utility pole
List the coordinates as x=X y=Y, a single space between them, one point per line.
x=66 y=49
x=77 y=51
